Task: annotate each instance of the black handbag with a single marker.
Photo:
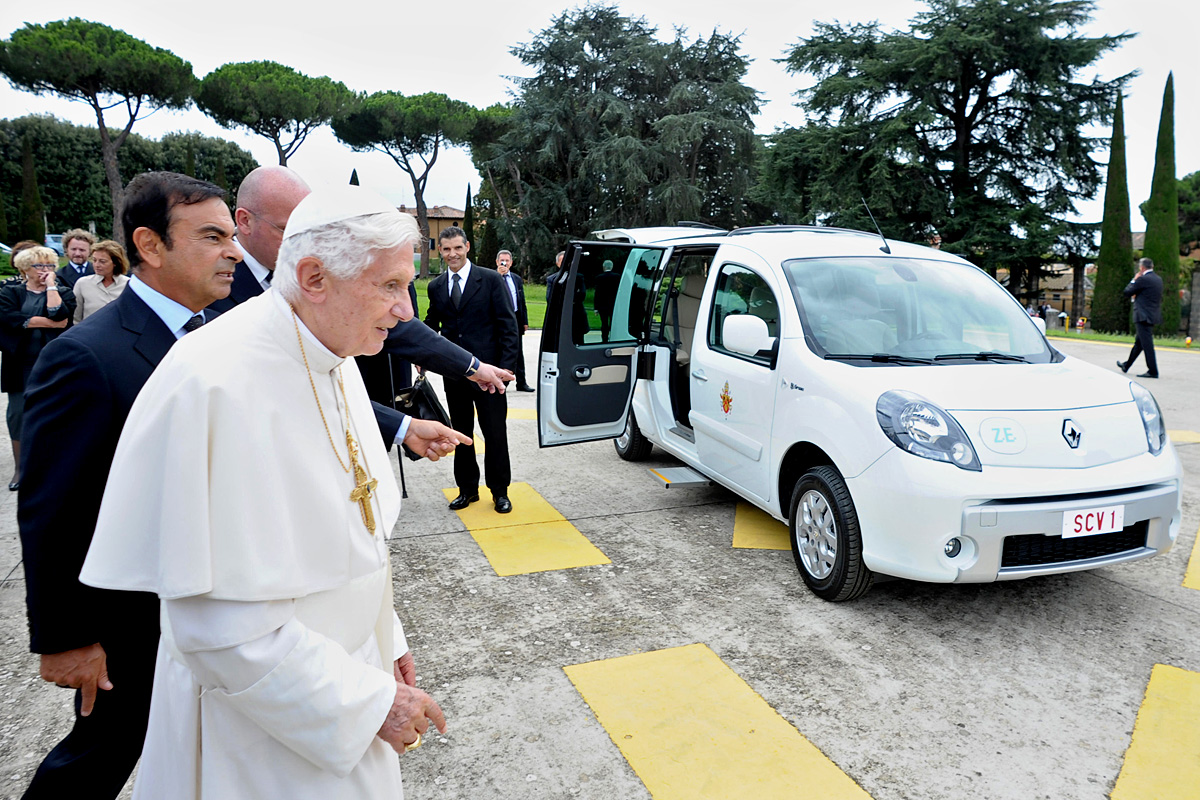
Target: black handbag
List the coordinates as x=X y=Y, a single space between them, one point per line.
x=421 y=401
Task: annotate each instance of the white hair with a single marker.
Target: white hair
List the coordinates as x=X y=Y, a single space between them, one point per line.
x=345 y=248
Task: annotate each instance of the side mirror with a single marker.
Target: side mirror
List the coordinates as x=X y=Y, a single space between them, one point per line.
x=1041 y=324
x=746 y=334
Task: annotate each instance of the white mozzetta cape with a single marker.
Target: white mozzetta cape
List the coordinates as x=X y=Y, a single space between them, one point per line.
x=226 y=499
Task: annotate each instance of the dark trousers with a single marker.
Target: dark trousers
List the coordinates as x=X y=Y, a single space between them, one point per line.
x=97 y=757
x=519 y=369
x=1144 y=341
x=464 y=400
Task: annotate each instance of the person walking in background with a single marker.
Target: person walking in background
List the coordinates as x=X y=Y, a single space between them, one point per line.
x=516 y=292
x=77 y=244
x=94 y=292
x=1146 y=289
x=32 y=314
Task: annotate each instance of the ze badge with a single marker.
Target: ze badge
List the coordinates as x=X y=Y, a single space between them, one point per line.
x=1002 y=435
x=726 y=399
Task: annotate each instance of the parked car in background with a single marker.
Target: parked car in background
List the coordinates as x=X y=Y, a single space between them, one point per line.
x=55 y=242
x=892 y=403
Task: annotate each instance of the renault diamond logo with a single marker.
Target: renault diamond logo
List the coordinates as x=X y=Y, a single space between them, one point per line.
x=1072 y=433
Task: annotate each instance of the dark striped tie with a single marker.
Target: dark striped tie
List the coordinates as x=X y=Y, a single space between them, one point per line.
x=193 y=323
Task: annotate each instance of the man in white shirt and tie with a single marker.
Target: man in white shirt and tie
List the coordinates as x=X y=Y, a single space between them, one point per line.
x=516 y=292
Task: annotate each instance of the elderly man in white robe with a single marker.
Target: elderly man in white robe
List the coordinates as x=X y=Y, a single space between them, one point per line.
x=252 y=493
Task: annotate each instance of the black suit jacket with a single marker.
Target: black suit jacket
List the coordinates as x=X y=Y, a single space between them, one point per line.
x=521 y=311
x=76 y=401
x=484 y=324
x=68 y=275
x=245 y=286
x=1147 y=292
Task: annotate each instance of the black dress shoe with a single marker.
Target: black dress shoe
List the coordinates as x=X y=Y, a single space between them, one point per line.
x=503 y=504
x=525 y=388
x=1121 y=365
x=463 y=500
x=12 y=487
x=1147 y=375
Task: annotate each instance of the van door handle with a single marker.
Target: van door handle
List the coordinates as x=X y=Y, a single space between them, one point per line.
x=582 y=373
x=699 y=375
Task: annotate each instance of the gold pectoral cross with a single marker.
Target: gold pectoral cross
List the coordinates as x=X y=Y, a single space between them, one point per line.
x=363 y=486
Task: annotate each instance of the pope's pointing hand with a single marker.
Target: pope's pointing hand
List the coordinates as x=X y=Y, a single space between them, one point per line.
x=411 y=713
x=432 y=439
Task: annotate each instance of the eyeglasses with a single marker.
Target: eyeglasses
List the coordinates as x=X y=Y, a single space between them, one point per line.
x=264 y=219
x=44 y=266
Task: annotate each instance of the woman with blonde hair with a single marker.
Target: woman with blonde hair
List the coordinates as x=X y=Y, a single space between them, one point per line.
x=32 y=313
x=94 y=292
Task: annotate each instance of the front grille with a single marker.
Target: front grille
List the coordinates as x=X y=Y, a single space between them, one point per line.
x=1033 y=549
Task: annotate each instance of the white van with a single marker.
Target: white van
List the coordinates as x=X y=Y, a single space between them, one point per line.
x=892 y=403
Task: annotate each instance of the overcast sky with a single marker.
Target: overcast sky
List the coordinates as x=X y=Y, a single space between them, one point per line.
x=462 y=49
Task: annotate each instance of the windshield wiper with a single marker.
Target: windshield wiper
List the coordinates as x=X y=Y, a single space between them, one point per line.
x=985 y=355
x=878 y=358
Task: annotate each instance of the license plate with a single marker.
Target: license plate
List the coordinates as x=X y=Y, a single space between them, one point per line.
x=1091 y=521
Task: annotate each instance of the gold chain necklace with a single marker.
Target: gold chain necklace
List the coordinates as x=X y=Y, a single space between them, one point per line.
x=364 y=484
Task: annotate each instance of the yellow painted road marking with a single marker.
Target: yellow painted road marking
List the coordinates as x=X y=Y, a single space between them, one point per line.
x=1191 y=578
x=1184 y=437
x=533 y=537
x=691 y=728
x=1163 y=760
x=755 y=529
x=522 y=413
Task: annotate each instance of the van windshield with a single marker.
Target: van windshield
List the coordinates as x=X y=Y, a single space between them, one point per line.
x=871 y=310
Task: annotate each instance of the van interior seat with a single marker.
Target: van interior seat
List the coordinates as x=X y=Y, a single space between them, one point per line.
x=688 y=306
x=763 y=306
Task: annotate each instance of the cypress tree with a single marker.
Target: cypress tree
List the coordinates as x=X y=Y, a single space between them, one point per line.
x=189 y=159
x=1162 y=214
x=469 y=220
x=354 y=177
x=1114 y=265
x=32 y=220
x=489 y=248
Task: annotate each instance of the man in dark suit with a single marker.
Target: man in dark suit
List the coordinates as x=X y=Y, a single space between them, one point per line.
x=77 y=245
x=471 y=308
x=1146 y=289
x=515 y=287
x=179 y=236
x=265 y=201
x=604 y=298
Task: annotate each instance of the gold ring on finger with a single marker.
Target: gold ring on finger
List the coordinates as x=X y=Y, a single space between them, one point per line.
x=413 y=745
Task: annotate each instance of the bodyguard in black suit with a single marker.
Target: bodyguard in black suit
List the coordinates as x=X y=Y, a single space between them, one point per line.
x=179 y=236
x=514 y=287
x=471 y=308
x=1146 y=289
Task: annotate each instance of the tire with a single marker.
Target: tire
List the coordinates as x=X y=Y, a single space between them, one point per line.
x=826 y=540
x=631 y=445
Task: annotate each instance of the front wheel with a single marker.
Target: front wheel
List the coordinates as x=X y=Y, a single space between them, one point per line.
x=826 y=540
x=631 y=444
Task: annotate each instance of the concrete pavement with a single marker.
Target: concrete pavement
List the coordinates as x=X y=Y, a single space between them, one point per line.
x=1018 y=690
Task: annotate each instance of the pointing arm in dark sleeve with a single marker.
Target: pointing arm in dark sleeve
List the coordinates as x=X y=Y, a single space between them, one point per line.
x=416 y=342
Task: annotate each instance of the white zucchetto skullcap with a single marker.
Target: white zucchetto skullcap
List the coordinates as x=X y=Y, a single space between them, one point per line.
x=335 y=204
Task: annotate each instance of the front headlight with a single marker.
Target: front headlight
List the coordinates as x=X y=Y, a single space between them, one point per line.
x=1152 y=420
x=919 y=427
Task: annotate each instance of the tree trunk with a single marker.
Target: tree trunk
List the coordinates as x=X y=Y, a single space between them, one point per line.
x=112 y=172
x=282 y=153
x=423 y=224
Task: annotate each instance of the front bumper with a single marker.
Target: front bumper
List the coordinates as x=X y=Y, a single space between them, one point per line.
x=1009 y=520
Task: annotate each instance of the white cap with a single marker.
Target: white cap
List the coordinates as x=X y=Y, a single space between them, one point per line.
x=335 y=204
